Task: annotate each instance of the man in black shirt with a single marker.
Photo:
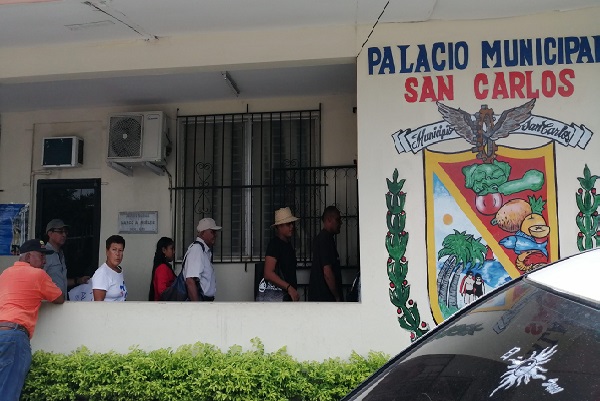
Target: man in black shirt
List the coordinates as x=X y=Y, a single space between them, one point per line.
x=325 y=283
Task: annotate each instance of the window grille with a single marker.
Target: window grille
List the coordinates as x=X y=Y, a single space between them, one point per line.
x=240 y=168
x=228 y=164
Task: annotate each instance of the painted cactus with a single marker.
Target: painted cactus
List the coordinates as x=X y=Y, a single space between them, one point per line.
x=396 y=241
x=587 y=218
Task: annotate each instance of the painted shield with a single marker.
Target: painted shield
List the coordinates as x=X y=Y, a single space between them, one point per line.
x=487 y=222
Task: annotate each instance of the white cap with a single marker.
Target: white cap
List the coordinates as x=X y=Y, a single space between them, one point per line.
x=207 y=224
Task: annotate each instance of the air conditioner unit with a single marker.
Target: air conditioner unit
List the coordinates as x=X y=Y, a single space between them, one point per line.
x=60 y=152
x=137 y=138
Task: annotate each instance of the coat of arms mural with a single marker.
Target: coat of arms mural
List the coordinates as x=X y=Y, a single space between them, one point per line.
x=491 y=210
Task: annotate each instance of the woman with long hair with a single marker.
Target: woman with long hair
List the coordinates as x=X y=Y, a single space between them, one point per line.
x=162 y=271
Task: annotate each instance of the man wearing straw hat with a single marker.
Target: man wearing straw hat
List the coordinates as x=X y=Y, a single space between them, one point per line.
x=280 y=259
x=325 y=284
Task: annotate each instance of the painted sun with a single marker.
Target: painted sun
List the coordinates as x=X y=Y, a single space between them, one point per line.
x=448 y=219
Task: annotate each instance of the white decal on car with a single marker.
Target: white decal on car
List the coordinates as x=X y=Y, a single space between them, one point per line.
x=523 y=370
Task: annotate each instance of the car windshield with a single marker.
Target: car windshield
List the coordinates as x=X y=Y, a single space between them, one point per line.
x=524 y=343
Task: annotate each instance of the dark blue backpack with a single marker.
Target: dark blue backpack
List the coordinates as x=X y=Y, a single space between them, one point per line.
x=178 y=290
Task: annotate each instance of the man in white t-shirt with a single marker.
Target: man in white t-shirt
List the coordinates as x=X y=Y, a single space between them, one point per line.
x=198 y=270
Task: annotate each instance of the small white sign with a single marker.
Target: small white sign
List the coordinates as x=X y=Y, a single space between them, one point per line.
x=138 y=222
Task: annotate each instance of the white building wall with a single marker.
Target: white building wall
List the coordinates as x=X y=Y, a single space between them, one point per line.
x=383 y=110
x=145 y=191
x=201 y=52
x=310 y=331
x=232 y=320
x=223 y=323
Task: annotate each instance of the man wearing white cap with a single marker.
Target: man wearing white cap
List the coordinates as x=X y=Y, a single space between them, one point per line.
x=198 y=269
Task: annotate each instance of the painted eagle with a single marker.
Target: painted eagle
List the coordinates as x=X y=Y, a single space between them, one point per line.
x=480 y=129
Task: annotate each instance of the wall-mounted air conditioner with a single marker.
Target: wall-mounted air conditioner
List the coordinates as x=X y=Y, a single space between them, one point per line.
x=63 y=151
x=138 y=138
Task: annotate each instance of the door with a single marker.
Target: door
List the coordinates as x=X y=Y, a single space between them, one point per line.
x=77 y=203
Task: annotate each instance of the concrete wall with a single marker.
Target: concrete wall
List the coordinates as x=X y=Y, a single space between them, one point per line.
x=79 y=324
x=205 y=52
x=310 y=331
x=21 y=168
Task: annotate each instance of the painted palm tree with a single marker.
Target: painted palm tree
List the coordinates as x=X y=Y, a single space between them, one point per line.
x=463 y=250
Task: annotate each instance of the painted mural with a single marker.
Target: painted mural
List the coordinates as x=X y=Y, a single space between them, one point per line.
x=491 y=209
x=491 y=206
x=487 y=222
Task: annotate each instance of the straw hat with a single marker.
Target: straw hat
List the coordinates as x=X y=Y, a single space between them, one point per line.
x=284 y=215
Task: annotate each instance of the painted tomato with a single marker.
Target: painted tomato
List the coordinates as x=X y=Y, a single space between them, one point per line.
x=488 y=204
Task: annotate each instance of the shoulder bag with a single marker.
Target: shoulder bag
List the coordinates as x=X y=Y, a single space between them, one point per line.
x=268 y=292
x=178 y=290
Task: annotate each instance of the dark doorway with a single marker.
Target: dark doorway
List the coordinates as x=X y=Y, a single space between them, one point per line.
x=77 y=203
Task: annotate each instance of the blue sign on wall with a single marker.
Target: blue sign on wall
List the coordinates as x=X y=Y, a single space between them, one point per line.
x=14 y=220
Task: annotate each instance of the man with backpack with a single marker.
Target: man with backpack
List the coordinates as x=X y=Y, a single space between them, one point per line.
x=198 y=270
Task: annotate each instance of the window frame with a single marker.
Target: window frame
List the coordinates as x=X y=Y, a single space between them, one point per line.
x=250 y=251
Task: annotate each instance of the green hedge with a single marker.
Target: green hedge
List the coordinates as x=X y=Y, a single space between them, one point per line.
x=198 y=372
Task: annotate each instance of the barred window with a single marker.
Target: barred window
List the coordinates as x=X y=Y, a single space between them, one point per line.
x=236 y=168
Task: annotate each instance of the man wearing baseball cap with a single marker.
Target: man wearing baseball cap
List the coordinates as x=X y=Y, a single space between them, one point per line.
x=56 y=266
x=197 y=263
x=23 y=287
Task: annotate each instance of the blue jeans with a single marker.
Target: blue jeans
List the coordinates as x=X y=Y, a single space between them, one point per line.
x=15 y=359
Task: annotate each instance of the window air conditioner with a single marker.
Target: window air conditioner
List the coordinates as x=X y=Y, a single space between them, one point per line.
x=64 y=151
x=137 y=138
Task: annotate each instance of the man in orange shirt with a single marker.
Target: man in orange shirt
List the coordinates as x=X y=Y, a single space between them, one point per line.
x=23 y=287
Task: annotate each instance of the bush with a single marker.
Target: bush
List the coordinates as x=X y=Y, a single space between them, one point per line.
x=198 y=372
